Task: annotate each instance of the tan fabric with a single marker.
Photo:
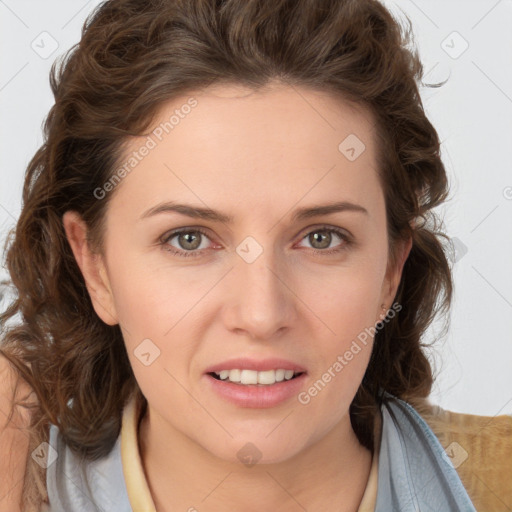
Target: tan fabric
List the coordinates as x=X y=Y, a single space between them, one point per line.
x=137 y=486
x=480 y=448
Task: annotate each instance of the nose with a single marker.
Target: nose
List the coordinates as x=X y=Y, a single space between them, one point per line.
x=260 y=302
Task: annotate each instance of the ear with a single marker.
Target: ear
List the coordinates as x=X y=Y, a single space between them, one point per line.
x=92 y=267
x=394 y=275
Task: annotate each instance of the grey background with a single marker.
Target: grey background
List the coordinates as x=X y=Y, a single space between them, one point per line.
x=472 y=113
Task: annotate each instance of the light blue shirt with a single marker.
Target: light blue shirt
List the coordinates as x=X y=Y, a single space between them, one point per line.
x=414 y=473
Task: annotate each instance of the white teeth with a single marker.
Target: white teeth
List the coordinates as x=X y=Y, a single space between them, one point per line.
x=249 y=377
x=233 y=375
x=267 y=377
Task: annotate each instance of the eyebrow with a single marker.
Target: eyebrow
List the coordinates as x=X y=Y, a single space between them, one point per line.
x=199 y=212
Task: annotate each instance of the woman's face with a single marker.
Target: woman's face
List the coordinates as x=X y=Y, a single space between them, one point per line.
x=258 y=274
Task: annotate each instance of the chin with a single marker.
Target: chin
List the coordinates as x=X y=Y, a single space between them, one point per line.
x=255 y=449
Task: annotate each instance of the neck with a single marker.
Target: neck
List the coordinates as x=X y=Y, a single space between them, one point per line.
x=330 y=474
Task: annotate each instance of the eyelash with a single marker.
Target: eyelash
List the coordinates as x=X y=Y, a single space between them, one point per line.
x=195 y=253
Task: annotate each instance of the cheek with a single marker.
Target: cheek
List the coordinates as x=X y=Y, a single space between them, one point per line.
x=345 y=299
x=345 y=306
x=149 y=299
x=344 y=344
x=161 y=318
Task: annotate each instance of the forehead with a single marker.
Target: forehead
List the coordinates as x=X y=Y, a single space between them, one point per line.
x=234 y=144
x=277 y=117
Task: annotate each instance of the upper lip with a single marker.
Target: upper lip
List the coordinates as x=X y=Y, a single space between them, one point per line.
x=259 y=365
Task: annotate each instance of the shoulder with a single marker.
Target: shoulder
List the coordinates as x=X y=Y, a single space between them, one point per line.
x=77 y=483
x=14 y=441
x=480 y=449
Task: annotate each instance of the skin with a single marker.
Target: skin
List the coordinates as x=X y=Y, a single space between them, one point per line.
x=14 y=441
x=257 y=156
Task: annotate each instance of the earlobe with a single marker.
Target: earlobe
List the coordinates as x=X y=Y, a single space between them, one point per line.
x=92 y=267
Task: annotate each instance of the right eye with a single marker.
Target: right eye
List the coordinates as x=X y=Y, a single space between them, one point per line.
x=188 y=242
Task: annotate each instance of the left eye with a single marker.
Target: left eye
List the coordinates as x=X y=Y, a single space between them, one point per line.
x=320 y=239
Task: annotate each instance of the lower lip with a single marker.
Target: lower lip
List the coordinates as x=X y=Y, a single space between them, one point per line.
x=254 y=395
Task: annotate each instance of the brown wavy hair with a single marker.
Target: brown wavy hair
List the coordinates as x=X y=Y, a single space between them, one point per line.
x=133 y=57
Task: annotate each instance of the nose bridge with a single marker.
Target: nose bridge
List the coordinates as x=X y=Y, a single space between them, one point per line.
x=262 y=304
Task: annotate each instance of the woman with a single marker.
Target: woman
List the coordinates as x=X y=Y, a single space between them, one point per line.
x=225 y=263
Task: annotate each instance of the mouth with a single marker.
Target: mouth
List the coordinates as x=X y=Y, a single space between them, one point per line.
x=255 y=378
x=265 y=385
